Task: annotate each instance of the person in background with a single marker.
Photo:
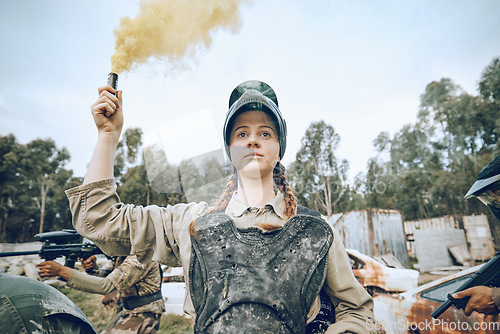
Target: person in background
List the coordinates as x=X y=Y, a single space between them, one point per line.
x=138 y=285
x=111 y=299
x=485 y=299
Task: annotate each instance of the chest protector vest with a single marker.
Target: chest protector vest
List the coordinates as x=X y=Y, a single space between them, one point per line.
x=250 y=281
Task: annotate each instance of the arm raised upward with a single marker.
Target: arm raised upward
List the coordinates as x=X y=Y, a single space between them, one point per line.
x=108 y=117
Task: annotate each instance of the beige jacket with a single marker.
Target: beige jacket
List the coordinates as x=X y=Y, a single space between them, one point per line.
x=162 y=233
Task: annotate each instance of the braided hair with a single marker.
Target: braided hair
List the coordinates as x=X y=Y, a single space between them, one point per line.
x=280 y=183
x=283 y=186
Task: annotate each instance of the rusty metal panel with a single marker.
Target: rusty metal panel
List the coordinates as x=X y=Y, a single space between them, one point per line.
x=478 y=233
x=437 y=224
x=373 y=232
x=353 y=228
x=432 y=247
x=433 y=224
x=389 y=236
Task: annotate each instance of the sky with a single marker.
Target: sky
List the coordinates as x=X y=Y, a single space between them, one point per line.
x=360 y=66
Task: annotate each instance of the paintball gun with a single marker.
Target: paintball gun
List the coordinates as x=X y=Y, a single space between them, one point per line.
x=58 y=244
x=487 y=275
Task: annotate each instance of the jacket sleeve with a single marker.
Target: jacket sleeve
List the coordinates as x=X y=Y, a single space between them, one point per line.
x=353 y=305
x=125 y=229
x=88 y=283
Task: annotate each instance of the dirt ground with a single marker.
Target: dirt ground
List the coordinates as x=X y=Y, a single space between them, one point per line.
x=428 y=277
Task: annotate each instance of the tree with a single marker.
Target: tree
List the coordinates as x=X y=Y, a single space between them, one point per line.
x=152 y=180
x=9 y=179
x=127 y=151
x=135 y=186
x=43 y=167
x=380 y=176
x=489 y=87
x=58 y=214
x=467 y=134
x=32 y=183
x=433 y=162
x=317 y=176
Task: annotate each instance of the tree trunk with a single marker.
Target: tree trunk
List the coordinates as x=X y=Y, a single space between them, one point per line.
x=3 y=223
x=327 y=196
x=42 y=212
x=44 y=186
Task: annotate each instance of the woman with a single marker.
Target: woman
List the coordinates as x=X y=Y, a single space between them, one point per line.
x=255 y=262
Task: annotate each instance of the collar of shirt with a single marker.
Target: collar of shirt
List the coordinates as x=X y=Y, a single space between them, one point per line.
x=237 y=208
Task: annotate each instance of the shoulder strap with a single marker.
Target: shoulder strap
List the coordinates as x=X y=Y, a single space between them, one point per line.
x=302 y=210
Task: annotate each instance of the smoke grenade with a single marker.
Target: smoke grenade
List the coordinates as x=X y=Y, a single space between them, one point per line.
x=113 y=80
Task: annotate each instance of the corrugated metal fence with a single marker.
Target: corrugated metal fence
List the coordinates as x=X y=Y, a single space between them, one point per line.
x=374 y=232
x=431 y=241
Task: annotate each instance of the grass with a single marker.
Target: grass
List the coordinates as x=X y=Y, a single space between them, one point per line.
x=424 y=282
x=412 y=262
x=175 y=324
x=91 y=306
x=100 y=316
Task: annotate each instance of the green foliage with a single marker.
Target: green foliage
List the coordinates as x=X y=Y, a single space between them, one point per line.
x=10 y=194
x=154 y=181
x=134 y=187
x=489 y=87
x=317 y=177
x=204 y=181
x=133 y=141
x=32 y=183
x=427 y=167
x=127 y=151
x=132 y=175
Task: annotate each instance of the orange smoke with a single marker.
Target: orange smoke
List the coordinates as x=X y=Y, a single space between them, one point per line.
x=171 y=30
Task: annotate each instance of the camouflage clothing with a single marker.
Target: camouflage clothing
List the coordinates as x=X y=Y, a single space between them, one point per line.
x=143 y=323
x=131 y=278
